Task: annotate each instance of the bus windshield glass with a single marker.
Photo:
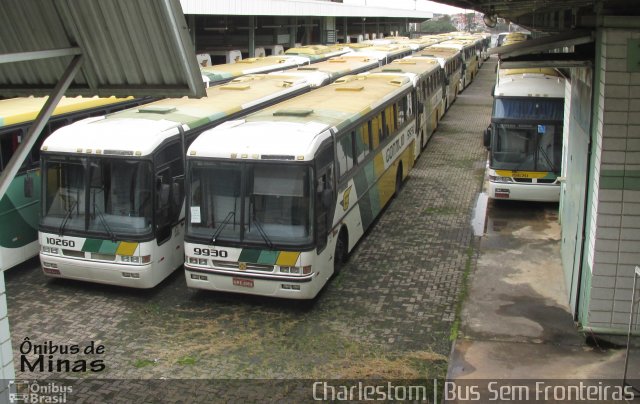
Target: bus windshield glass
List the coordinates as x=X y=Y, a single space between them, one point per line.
x=266 y=204
x=103 y=197
x=521 y=147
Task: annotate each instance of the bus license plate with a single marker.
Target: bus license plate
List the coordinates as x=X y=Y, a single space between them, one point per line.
x=245 y=283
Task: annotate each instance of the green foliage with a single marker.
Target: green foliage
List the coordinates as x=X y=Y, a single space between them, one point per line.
x=438 y=26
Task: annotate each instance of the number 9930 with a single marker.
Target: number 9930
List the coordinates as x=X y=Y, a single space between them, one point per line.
x=207 y=252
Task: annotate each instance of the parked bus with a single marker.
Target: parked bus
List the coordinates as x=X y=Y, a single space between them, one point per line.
x=294 y=57
x=278 y=199
x=469 y=52
x=317 y=53
x=384 y=53
x=428 y=80
x=525 y=135
x=223 y=73
x=114 y=191
x=451 y=61
x=20 y=206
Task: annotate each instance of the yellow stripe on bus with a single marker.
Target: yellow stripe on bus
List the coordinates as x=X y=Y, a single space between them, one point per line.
x=126 y=248
x=287 y=258
x=521 y=174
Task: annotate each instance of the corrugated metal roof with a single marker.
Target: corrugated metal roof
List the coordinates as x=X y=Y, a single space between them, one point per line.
x=137 y=48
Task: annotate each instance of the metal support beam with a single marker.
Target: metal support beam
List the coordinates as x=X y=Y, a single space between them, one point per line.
x=555 y=60
x=41 y=120
x=35 y=55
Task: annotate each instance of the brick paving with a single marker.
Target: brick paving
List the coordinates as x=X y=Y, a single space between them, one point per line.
x=388 y=314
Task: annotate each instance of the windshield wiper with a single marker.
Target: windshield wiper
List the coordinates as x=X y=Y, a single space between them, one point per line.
x=546 y=157
x=66 y=218
x=222 y=225
x=263 y=234
x=104 y=222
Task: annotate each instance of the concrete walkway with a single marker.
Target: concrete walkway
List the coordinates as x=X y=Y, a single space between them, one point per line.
x=515 y=322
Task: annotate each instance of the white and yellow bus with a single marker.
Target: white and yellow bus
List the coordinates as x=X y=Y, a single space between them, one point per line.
x=20 y=206
x=451 y=61
x=277 y=200
x=113 y=193
x=525 y=135
x=469 y=51
x=427 y=77
x=295 y=57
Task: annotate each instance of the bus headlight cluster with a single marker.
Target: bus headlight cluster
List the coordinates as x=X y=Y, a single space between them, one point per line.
x=131 y=275
x=197 y=261
x=49 y=265
x=49 y=250
x=145 y=259
x=305 y=270
x=287 y=286
x=496 y=178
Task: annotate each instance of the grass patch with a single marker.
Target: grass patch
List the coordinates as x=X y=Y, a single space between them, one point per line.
x=440 y=210
x=187 y=361
x=141 y=363
x=464 y=293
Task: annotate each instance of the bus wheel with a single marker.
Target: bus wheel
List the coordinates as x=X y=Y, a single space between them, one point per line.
x=340 y=255
x=398 y=180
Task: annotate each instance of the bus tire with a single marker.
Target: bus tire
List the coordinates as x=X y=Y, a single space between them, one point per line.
x=340 y=254
x=398 y=180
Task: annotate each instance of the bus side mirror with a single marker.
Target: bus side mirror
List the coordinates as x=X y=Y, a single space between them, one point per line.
x=487 y=137
x=28 y=186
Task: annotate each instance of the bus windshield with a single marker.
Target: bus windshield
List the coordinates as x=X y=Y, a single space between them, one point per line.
x=104 y=197
x=253 y=203
x=521 y=147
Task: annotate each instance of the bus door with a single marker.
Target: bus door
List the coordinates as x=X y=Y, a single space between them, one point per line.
x=325 y=193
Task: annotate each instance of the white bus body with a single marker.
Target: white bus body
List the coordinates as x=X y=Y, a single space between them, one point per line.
x=525 y=135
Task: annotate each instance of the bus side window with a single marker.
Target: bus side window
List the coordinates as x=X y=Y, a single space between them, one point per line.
x=387 y=121
x=9 y=142
x=344 y=154
x=398 y=114
x=325 y=197
x=376 y=131
x=362 y=142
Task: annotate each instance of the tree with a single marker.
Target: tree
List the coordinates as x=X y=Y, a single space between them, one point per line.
x=437 y=26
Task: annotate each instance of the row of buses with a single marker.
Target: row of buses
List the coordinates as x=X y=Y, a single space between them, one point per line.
x=263 y=187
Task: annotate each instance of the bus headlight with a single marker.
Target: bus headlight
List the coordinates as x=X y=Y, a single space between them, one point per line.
x=495 y=178
x=305 y=270
x=50 y=250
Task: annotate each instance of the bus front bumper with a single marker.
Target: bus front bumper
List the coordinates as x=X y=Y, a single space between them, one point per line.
x=303 y=287
x=134 y=276
x=524 y=192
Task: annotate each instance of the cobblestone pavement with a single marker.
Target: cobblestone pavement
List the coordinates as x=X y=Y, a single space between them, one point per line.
x=389 y=314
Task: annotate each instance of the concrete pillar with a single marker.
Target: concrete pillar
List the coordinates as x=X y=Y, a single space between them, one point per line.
x=293 y=32
x=252 y=36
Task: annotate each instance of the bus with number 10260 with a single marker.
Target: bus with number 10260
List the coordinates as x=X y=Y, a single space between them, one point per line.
x=20 y=206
